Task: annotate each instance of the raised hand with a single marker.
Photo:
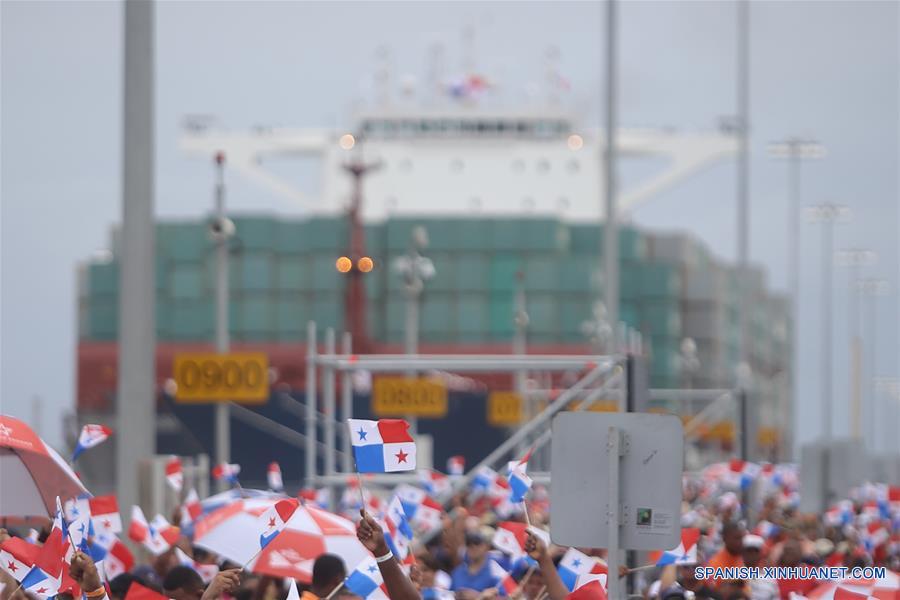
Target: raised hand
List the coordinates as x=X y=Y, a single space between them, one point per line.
x=225 y=582
x=369 y=533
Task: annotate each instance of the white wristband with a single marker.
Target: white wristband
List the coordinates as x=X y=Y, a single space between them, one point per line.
x=388 y=556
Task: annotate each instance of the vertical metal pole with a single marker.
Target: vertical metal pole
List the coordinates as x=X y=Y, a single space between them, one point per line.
x=827 y=261
x=222 y=414
x=411 y=334
x=827 y=264
x=135 y=401
x=330 y=408
x=853 y=326
x=793 y=394
x=310 y=475
x=613 y=448
x=745 y=424
x=611 y=232
x=346 y=404
x=743 y=169
x=520 y=322
x=872 y=429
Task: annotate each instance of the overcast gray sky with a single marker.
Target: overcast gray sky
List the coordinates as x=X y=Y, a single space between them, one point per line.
x=823 y=69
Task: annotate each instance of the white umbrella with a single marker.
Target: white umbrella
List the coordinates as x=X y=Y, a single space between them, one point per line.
x=233 y=532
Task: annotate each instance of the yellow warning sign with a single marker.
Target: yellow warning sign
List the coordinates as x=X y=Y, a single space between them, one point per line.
x=504 y=409
x=400 y=396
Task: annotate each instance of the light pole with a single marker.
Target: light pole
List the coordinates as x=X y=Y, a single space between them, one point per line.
x=690 y=364
x=872 y=288
x=854 y=258
x=794 y=150
x=415 y=270
x=221 y=230
x=889 y=388
x=611 y=233
x=827 y=215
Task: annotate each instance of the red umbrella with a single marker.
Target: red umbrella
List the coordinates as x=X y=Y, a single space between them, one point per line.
x=32 y=474
x=233 y=532
x=884 y=588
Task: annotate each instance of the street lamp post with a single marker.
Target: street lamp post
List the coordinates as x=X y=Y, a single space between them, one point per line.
x=415 y=270
x=795 y=150
x=827 y=215
x=855 y=258
x=872 y=288
x=221 y=230
x=690 y=364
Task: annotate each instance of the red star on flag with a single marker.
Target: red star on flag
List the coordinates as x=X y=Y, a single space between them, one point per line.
x=107 y=523
x=272 y=522
x=12 y=567
x=401 y=456
x=42 y=590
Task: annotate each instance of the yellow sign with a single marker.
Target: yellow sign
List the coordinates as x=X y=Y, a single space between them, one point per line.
x=504 y=408
x=399 y=396
x=238 y=377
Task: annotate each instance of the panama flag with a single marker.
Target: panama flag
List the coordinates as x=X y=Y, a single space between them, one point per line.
x=366 y=582
x=456 y=465
x=273 y=520
x=17 y=556
x=142 y=532
x=191 y=509
x=226 y=472
x=505 y=582
x=293 y=593
x=118 y=558
x=484 y=478
x=77 y=523
x=43 y=579
x=168 y=532
x=274 y=475
x=685 y=553
x=90 y=436
x=573 y=564
x=398 y=533
x=105 y=514
x=509 y=538
x=519 y=481
x=174 y=473
x=436 y=484
x=382 y=446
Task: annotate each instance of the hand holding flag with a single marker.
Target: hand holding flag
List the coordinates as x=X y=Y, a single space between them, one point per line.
x=91 y=435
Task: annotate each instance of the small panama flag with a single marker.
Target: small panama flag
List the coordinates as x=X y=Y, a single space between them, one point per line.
x=505 y=583
x=519 y=481
x=91 y=435
x=573 y=564
x=685 y=553
x=272 y=521
x=191 y=509
x=226 y=472
x=105 y=514
x=174 y=473
x=17 y=556
x=276 y=484
x=382 y=446
x=456 y=465
x=366 y=581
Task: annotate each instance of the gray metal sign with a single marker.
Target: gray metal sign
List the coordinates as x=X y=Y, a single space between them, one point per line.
x=648 y=483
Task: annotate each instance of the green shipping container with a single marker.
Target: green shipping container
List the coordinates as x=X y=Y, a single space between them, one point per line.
x=472 y=272
x=103 y=279
x=255 y=234
x=504 y=272
x=187 y=281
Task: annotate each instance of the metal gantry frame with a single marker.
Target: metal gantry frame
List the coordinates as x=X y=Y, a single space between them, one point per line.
x=333 y=365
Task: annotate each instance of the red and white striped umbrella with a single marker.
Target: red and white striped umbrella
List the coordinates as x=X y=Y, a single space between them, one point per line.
x=233 y=532
x=33 y=474
x=884 y=588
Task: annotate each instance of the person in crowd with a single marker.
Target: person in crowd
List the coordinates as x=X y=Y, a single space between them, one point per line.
x=84 y=572
x=757 y=588
x=225 y=582
x=792 y=556
x=473 y=575
x=118 y=586
x=732 y=553
x=328 y=574
x=183 y=583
